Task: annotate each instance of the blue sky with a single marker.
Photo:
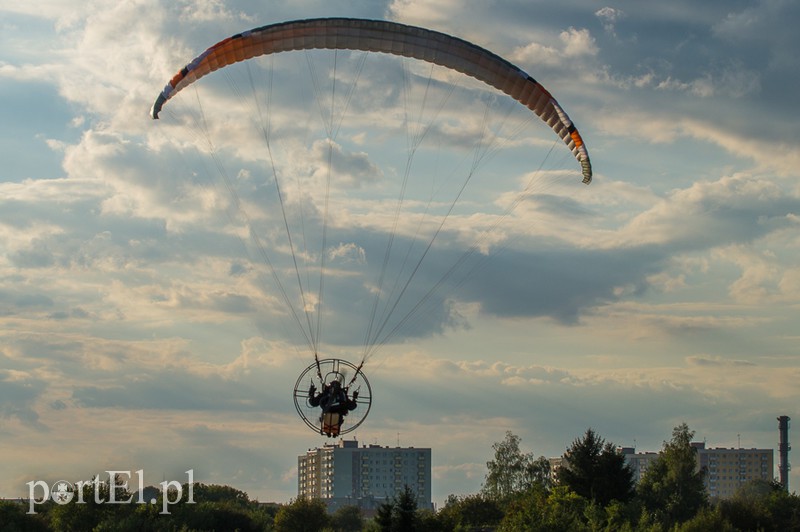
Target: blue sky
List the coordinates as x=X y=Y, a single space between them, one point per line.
x=140 y=327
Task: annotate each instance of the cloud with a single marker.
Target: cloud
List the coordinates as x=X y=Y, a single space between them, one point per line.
x=347 y=253
x=759 y=27
x=716 y=362
x=424 y=13
x=610 y=16
x=734 y=82
x=18 y=394
x=169 y=390
x=733 y=209
x=574 y=44
x=348 y=168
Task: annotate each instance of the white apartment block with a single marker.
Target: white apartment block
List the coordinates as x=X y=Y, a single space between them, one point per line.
x=726 y=469
x=344 y=474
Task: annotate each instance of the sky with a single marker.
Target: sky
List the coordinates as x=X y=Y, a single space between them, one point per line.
x=141 y=323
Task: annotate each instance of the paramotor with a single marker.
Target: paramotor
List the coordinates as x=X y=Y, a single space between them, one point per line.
x=310 y=200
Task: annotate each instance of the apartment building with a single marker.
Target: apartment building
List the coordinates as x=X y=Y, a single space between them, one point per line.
x=726 y=469
x=638 y=462
x=344 y=474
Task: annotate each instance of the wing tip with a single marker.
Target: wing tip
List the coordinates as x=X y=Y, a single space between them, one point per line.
x=157 y=105
x=587 y=170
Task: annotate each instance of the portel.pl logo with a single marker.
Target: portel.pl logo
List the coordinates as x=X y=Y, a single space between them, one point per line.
x=64 y=492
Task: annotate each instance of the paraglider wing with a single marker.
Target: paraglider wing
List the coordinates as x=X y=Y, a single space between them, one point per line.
x=390 y=38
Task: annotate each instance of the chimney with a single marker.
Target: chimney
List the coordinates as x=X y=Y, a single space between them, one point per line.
x=783 y=450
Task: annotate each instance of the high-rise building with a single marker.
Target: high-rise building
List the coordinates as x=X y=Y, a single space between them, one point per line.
x=638 y=462
x=727 y=469
x=344 y=474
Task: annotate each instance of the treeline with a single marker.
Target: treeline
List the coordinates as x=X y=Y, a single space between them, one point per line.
x=592 y=491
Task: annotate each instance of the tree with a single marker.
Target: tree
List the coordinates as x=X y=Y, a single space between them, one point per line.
x=512 y=471
x=783 y=510
x=710 y=519
x=672 y=489
x=347 y=519
x=14 y=519
x=404 y=513
x=95 y=511
x=540 y=472
x=762 y=505
x=205 y=515
x=564 y=510
x=595 y=470
x=560 y=509
x=471 y=512
x=218 y=493
x=302 y=515
x=428 y=521
x=383 y=516
x=398 y=514
x=524 y=511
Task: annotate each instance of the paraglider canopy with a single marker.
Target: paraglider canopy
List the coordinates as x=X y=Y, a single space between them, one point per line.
x=391 y=38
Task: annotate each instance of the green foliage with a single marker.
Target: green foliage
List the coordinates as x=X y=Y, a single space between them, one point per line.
x=347 y=519
x=471 y=512
x=564 y=510
x=223 y=494
x=404 y=513
x=523 y=511
x=512 y=471
x=214 y=516
x=401 y=514
x=672 y=489
x=398 y=514
x=383 y=516
x=704 y=520
x=762 y=505
x=595 y=470
x=14 y=519
x=215 y=508
x=302 y=515
x=537 y=510
x=619 y=517
x=428 y=521
x=96 y=511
